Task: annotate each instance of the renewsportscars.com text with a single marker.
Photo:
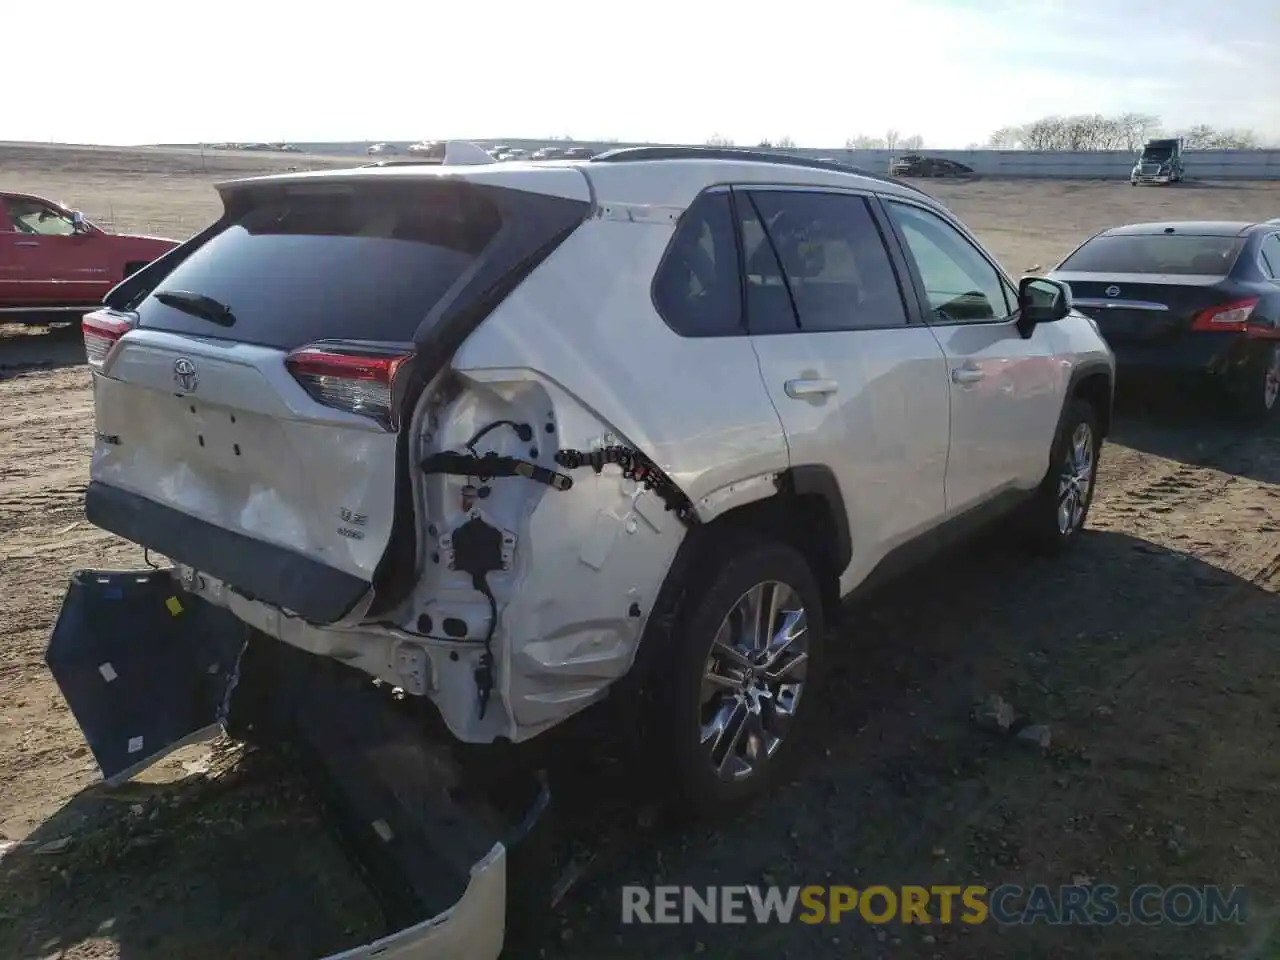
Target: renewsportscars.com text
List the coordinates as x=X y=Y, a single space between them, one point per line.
x=1100 y=904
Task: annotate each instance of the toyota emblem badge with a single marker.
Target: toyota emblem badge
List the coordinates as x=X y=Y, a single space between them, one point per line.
x=1113 y=291
x=185 y=375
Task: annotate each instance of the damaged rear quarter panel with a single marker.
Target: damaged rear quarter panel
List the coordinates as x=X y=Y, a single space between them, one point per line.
x=582 y=333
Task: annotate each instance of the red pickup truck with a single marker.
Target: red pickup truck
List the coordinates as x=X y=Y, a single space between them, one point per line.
x=55 y=264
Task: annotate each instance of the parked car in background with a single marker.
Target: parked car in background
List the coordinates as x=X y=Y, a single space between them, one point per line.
x=384 y=150
x=917 y=165
x=428 y=149
x=547 y=153
x=1160 y=162
x=579 y=153
x=1195 y=301
x=55 y=264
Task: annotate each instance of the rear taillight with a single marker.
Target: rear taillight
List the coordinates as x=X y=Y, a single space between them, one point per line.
x=1229 y=317
x=362 y=383
x=101 y=331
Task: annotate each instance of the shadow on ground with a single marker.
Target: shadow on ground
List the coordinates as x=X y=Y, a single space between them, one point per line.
x=240 y=867
x=1189 y=427
x=35 y=348
x=897 y=786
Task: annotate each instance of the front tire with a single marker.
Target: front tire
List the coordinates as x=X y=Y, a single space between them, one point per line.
x=739 y=682
x=1060 y=506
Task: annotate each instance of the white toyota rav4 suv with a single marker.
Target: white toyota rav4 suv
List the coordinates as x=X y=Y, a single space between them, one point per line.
x=509 y=437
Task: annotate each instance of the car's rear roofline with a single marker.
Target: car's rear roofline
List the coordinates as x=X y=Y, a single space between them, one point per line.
x=1186 y=228
x=552 y=179
x=648 y=154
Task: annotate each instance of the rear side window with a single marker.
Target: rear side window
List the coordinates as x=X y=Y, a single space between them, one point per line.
x=834 y=259
x=698 y=288
x=338 y=261
x=1176 y=254
x=1270 y=255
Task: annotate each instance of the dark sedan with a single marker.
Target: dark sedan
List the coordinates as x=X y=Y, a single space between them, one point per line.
x=1191 y=299
x=915 y=165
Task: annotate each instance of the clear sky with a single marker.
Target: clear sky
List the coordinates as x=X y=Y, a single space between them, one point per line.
x=668 y=70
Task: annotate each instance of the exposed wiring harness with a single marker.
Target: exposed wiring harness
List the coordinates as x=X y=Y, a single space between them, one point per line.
x=523 y=431
x=635 y=466
x=477 y=545
x=492 y=465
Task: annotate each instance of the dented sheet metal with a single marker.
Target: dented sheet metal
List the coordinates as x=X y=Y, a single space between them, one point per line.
x=146 y=667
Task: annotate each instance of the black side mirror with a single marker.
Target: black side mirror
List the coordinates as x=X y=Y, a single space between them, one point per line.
x=1041 y=300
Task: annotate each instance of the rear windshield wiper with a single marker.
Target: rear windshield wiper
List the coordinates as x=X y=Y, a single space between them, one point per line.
x=198 y=305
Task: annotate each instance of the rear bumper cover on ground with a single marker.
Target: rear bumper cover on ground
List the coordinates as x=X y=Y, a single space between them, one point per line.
x=146 y=667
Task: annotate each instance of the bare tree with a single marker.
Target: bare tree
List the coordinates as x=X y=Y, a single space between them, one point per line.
x=765 y=144
x=863 y=142
x=719 y=140
x=786 y=142
x=1204 y=137
x=1137 y=129
x=913 y=142
x=891 y=138
x=1006 y=138
x=1127 y=131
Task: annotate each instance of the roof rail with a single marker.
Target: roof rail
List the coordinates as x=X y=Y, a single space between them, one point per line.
x=636 y=154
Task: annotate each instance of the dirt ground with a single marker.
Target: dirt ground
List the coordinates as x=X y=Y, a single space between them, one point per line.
x=1151 y=653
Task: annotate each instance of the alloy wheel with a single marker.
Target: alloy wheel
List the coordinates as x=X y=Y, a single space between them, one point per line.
x=1271 y=383
x=753 y=679
x=1076 y=478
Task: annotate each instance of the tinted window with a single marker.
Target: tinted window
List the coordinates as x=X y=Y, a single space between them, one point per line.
x=698 y=288
x=1270 y=252
x=960 y=283
x=335 y=262
x=1182 y=255
x=769 y=305
x=834 y=260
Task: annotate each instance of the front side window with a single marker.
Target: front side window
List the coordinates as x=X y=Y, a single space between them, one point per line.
x=39 y=219
x=960 y=283
x=698 y=288
x=832 y=255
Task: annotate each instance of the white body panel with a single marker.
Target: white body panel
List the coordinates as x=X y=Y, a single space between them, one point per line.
x=247 y=449
x=882 y=431
x=1006 y=395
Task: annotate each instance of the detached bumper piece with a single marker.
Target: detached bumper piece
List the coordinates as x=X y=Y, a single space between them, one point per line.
x=146 y=667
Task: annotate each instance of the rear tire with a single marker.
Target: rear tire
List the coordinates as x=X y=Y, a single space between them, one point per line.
x=722 y=699
x=1254 y=389
x=1057 y=511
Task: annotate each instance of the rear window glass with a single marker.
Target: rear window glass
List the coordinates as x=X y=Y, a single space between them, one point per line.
x=1156 y=253
x=339 y=261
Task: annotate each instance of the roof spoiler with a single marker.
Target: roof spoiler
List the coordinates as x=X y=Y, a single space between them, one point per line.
x=464 y=152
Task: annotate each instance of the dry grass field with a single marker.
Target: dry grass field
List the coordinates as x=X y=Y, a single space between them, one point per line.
x=1153 y=652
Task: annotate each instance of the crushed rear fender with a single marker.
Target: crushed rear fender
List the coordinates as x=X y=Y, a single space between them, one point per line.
x=146 y=667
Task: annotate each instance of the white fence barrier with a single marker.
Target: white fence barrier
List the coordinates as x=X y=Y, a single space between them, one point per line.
x=1084 y=164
